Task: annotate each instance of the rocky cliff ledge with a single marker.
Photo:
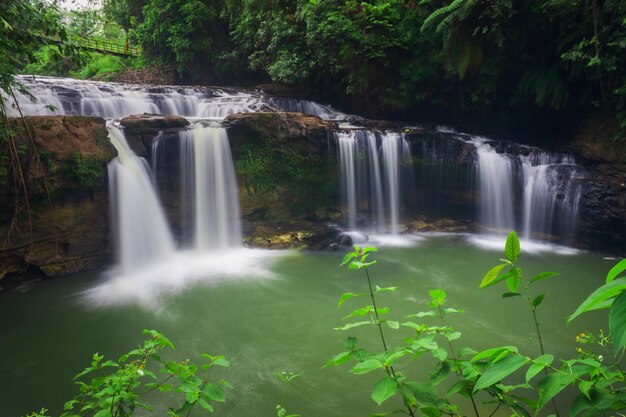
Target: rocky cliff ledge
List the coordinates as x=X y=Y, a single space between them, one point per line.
x=62 y=225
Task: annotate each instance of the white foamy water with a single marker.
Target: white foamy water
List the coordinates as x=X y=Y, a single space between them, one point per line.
x=146 y=286
x=533 y=247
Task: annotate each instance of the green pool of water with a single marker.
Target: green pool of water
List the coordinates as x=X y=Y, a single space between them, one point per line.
x=283 y=322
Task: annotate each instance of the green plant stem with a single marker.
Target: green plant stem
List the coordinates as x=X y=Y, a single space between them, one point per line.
x=458 y=367
x=382 y=335
x=380 y=328
x=533 y=309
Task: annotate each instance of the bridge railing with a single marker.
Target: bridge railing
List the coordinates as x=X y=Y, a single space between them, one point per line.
x=104 y=46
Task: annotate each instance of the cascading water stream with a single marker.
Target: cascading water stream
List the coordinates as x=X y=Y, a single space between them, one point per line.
x=209 y=182
x=371 y=177
x=496 y=187
x=143 y=234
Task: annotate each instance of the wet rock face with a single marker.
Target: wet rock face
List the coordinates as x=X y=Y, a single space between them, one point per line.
x=142 y=129
x=63 y=162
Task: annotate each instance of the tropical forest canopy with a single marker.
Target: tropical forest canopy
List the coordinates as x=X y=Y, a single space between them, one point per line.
x=383 y=57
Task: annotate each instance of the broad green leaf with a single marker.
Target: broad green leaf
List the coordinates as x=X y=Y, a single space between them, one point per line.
x=491 y=277
x=384 y=389
x=499 y=370
x=440 y=372
x=369 y=249
x=512 y=247
x=363 y=311
x=366 y=366
x=453 y=311
x=551 y=385
x=221 y=361
x=598 y=403
x=538 y=365
x=349 y=256
x=393 y=357
x=584 y=387
x=393 y=324
x=538 y=299
x=214 y=392
x=360 y=355
x=338 y=359
x=494 y=352
x=511 y=294
x=617 y=322
x=437 y=295
x=513 y=278
x=440 y=354
x=352 y=325
x=598 y=298
x=425 y=392
x=616 y=270
x=345 y=297
x=426 y=343
x=202 y=403
x=453 y=335
x=543 y=275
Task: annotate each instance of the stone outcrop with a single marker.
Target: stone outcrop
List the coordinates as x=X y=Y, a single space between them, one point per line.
x=63 y=225
x=142 y=129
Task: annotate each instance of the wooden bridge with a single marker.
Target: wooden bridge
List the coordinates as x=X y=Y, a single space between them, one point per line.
x=102 y=47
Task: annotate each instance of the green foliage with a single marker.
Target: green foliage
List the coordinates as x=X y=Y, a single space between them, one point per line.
x=85 y=171
x=118 y=387
x=601 y=383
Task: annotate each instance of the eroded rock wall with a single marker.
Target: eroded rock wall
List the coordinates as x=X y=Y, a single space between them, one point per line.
x=55 y=221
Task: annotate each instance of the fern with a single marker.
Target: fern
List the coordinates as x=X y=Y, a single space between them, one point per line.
x=457 y=10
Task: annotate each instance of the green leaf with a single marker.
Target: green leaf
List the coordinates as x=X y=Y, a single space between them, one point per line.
x=384 y=389
x=499 y=370
x=351 y=343
x=221 y=361
x=440 y=372
x=366 y=366
x=437 y=295
x=205 y=405
x=491 y=277
x=424 y=314
x=598 y=298
x=617 y=322
x=368 y=249
x=352 y=325
x=538 y=364
x=393 y=324
x=386 y=289
x=512 y=247
x=513 y=278
x=440 y=354
x=616 y=270
x=214 y=392
x=511 y=294
x=543 y=275
x=551 y=385
x=489 y=354
x=349 y=256
x=538 y=300
x=338 y=359
x=345 y=297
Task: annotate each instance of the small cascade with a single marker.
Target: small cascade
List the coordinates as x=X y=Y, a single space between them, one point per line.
x=550 y=194
x=545 y=187
x=209 y=184
x=371 y=172
x=143 y=234
x=495 y=172
x=306 y=107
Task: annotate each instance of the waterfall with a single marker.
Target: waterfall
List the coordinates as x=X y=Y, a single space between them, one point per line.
x=112 y=100
x=550 y=194
x=371 y=178
x=495 y=172
x=544 y=186
x=209 y=183
x=143 y=233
